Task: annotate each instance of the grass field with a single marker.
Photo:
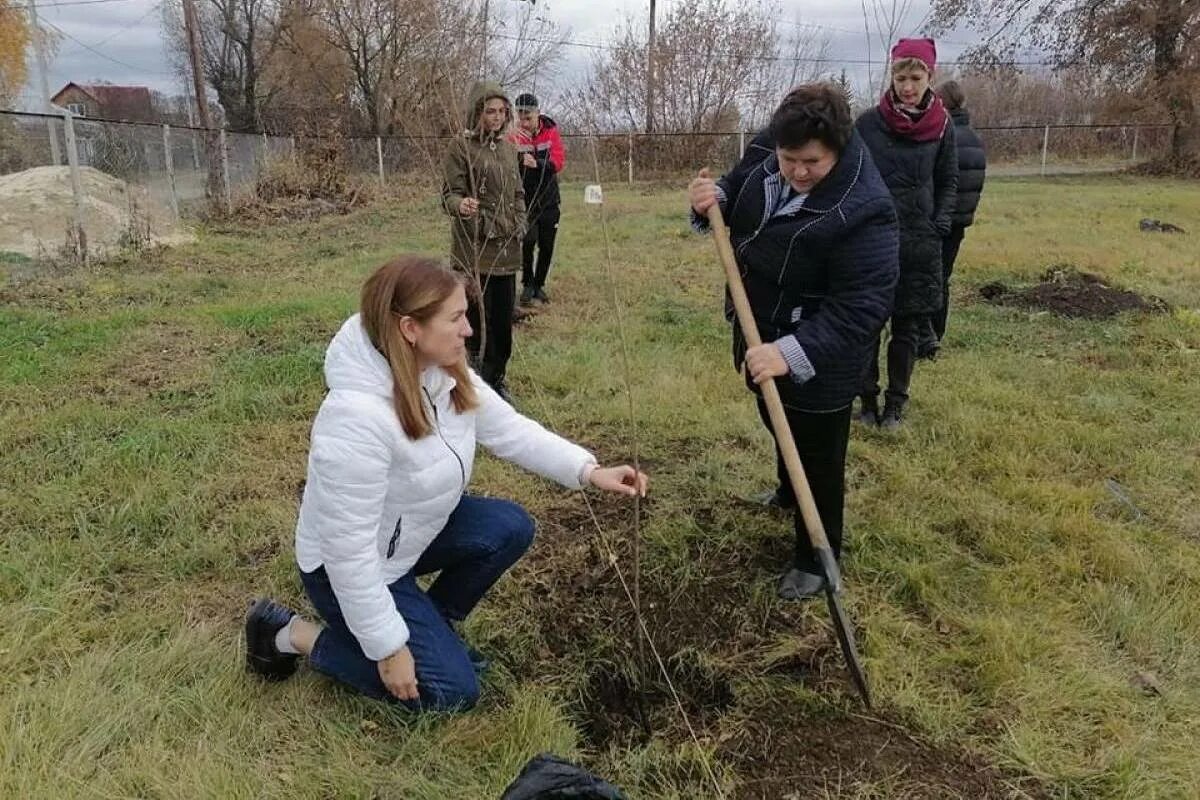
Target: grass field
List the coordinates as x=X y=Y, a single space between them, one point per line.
x=154 y=425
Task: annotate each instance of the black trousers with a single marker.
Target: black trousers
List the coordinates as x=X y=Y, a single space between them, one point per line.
x=907 y=331
x=822 y=440
x=543 y=230
x=950 y=247
x=490 y=344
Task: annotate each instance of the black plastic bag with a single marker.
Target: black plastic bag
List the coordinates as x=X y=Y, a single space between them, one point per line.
x=548 y=777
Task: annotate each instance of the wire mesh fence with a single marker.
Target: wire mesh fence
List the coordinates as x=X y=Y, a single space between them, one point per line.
x=93 y=186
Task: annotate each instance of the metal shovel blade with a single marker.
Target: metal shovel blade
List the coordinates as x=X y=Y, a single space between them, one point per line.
x=845 y=635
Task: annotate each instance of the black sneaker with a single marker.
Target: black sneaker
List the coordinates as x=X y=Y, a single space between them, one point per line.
x=539 y=294
x=263 y=621
x=890 y=421
x=527 y=295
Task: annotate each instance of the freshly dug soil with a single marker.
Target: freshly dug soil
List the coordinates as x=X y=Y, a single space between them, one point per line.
x=1070 y=293
x=711 y=628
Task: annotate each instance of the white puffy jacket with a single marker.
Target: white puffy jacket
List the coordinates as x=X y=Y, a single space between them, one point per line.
x=375 y=499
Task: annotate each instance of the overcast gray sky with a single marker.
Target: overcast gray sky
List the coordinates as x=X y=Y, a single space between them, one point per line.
x=120 y=41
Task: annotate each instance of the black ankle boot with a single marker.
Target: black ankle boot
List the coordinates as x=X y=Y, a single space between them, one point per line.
x=869 y=412
x=890 y=420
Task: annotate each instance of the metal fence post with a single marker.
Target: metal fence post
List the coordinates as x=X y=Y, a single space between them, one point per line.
x=52 y=132
x=195 y=149
x=1136 y=130
x=169 y=162
x=225 y=171
x=78 y=234
x=1045 y=147
x=266 y=150
x=379 y=156
x=741 y=144
x=629 y=159
x=293 y=138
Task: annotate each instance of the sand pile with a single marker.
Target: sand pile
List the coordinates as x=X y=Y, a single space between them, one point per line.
x=37 y=206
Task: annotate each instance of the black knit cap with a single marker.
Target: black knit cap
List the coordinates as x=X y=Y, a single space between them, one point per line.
x=526 y=100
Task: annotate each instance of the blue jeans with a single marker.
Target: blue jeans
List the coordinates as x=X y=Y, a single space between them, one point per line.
x=481 y=540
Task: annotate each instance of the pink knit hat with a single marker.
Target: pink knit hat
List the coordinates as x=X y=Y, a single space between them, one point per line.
x=924 y=50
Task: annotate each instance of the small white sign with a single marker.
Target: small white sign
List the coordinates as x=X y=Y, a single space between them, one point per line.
x=593 y=194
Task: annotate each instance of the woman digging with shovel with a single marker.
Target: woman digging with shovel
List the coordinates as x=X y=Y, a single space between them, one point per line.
x=385 y=500
x=814 y=233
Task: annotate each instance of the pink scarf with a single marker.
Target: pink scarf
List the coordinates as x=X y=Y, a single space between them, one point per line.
x=925 y=126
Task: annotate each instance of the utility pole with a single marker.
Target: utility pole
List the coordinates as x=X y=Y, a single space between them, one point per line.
x=191 y=25
x=48 y=107
x=214 y=188
x=650 y=74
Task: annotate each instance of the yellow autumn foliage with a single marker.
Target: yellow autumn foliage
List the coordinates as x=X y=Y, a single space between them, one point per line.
x=14 y=42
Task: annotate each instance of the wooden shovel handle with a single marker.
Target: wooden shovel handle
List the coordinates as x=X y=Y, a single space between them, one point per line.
x=783 y=431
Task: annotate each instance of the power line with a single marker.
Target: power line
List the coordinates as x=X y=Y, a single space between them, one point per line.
x=105 y=56
x=133 y=24
x=66 y=3
x=780 y=59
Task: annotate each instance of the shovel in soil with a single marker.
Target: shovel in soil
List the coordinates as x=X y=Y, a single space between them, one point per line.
x=791 y=458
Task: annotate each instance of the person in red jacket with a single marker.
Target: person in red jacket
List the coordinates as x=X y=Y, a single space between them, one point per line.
x=541 y=154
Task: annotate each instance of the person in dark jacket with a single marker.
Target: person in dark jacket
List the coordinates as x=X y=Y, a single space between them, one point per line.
x=814 y=231
x=972 y=168
x=542 y=157
x=912 y=141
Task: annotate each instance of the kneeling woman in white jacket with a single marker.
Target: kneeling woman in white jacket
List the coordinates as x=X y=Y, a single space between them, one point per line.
x=392 y=449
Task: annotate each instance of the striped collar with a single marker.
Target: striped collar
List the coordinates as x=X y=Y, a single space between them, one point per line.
x=773 y=189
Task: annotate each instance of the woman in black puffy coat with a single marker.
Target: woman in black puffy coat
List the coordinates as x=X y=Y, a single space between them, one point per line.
x=911 y=140
x=972 y=169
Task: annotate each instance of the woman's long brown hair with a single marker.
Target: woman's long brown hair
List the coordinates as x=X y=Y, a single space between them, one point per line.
x=416 y=287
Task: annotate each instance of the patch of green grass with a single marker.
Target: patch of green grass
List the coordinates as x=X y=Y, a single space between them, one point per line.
x=154 y=428
x=9 y=257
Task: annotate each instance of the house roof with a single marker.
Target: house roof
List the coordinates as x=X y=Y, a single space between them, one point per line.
x=118 y=102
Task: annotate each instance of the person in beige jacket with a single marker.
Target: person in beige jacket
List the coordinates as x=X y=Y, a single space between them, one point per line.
x=483 y=193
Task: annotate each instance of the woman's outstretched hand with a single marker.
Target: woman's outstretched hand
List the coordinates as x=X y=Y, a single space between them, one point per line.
x=621 y=480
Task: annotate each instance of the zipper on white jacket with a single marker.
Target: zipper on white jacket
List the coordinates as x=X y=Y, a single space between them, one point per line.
x=391 y=551
x=462 y=470
x=437 y=423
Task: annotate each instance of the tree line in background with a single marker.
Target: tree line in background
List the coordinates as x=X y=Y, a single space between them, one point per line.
x=403 y=67
x=378 y=67
x=1142 y=57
